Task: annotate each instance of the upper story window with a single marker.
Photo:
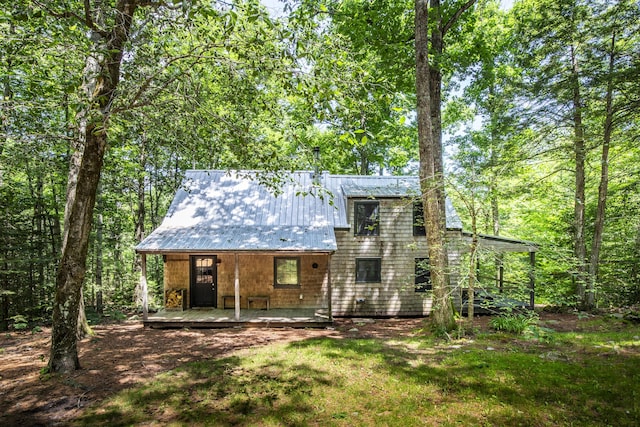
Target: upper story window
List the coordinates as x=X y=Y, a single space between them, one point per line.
x=367 y=218
x=287 y=272
x=418 y=219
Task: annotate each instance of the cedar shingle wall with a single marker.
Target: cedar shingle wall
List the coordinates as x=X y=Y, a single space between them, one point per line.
x=257 y=279
x=397 y=248
x=176 y=273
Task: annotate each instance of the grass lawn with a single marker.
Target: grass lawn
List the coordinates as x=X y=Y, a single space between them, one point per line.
x=544 y=378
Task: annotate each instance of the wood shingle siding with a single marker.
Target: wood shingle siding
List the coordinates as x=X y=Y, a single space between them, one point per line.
x=257 y=278
x=397 y=248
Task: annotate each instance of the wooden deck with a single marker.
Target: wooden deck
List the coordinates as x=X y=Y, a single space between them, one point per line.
x=218 y=318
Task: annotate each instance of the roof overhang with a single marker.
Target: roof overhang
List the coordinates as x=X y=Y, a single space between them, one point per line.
x=239 y=239
x=501 y=244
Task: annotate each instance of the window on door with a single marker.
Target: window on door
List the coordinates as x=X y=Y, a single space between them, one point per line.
x=204 y=270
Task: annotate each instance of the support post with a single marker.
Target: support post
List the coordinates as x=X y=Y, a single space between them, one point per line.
x=236 y=287
x=329 y=290
x=532 y=279
x=501 y=277
x=143 y=286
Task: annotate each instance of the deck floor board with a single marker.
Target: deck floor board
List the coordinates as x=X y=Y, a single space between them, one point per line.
x=219 y=318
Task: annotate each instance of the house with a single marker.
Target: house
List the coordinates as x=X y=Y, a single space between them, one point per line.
x=338 y=244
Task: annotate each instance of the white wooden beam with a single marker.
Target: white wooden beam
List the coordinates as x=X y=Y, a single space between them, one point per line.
x=236 y=285
x=143 y=286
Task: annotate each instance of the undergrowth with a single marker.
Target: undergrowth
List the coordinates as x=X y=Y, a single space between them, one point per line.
x=515 y=323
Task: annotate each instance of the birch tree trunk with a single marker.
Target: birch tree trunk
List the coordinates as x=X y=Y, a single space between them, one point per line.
x=100 y=80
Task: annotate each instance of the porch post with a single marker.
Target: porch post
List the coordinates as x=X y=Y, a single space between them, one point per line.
x=329 y=290
x=236 y=285
x=143 y=286
x=532 y=279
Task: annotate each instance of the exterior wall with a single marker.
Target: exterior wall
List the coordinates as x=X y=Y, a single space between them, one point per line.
x=257 y=279
x=397 y=248
x=176 y=273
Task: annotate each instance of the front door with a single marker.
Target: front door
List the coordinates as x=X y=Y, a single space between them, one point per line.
x=204 y=281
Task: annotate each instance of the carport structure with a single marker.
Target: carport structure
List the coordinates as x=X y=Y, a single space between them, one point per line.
x=501 y=245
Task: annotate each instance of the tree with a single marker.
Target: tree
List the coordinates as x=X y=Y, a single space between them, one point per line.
x=225 y=65
x=619 y=30
x=109 y=30
x=429 y=176
x=578 y=84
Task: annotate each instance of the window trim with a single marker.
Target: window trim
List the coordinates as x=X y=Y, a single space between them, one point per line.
x=275 y=273
x=356 y=225
x=420 y=286
x=418 y=209
x=377 y=279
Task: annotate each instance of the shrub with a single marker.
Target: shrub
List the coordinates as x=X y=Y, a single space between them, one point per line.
x=20 y=322
x=515 y=323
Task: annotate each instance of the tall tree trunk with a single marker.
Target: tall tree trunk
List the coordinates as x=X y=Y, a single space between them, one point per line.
x=7 y=97
x=598 y=231
x=473 y=258
x=430 y=179
x=140 y=215
x=99 y=242
x=580 y=250
x=635 y=266
x=498 y=260
x=101 y=77
x=71 y=271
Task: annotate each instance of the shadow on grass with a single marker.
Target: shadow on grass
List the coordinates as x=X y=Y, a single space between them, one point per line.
x=541 y=387
x=290 y=386
x=216 y=392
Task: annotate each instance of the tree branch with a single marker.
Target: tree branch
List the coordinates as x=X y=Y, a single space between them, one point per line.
x=456 y=16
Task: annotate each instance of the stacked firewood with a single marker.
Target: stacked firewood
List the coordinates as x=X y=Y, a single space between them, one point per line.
x=174 y=298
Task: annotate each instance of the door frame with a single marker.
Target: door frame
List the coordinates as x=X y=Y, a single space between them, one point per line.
x=192 y=279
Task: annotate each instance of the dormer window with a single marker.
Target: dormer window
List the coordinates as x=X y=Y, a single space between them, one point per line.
x=367 y=218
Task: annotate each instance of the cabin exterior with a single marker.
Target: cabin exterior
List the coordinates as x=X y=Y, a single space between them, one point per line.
x=380 y=269
x=340 y=245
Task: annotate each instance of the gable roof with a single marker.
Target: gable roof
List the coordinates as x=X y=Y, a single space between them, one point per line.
x=237 y=211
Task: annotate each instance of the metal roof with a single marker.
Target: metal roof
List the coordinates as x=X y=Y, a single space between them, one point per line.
x=374 y=186
x=238 y=237
x=238 y=210
x=501 y=244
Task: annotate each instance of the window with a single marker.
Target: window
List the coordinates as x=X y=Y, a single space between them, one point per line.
x=287 y=272
x=367 y=218
x=423 y=275
x=418 y=219
x=368 y=270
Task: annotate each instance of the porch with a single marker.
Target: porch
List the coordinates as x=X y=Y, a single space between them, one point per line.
x=219 y=318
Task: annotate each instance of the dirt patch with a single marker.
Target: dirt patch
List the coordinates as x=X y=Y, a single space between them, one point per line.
x=123 y=355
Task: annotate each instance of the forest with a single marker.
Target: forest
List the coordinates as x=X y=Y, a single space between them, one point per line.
x=539 y=106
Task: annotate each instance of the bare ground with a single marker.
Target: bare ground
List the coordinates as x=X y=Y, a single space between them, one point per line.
x=120 y=356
